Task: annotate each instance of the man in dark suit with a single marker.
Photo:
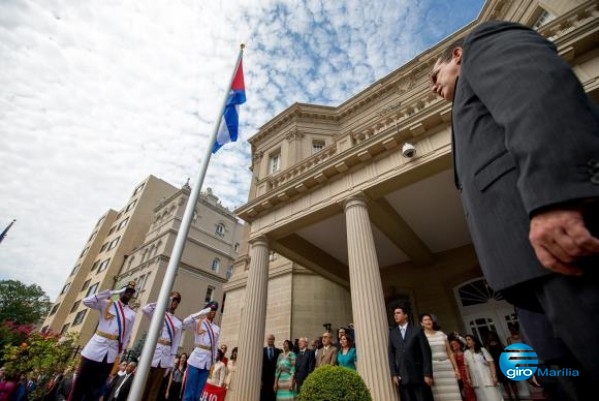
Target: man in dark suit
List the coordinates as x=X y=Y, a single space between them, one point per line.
x=410 y=359
x=526 y=158
x=121 y=385
x=304 y=362
x=269 y=365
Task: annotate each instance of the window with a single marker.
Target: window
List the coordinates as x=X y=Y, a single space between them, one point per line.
x=103 y=265
x=274 y=163
x=317 y=146
x=65 y=288
x=141 y=282
x=220 y=229
x=130 y=206
x=113 y=243
x=100 y=221
x=92 y=290
x=79 y=317
x=96 y=263
x=92 y=236
x=74 y=270
x=64 y=329
x=85 y=285
x=543 y=19
x=84 y=252
x=104 y=246
x=75 y=306
x=122 y=224
x=229 y=272
x=209 y=294
x=54 y=309
x=138 y=189
x=236 y=247
x=215 y=265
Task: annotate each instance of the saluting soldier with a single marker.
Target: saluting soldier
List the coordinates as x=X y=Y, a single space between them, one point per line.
x=205 y=351
x=166 y=347
x=106 y=345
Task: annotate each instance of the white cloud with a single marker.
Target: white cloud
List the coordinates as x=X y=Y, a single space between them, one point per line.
x=96 y=95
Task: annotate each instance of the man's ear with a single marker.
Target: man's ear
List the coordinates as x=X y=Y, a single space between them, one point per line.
x=456 y=54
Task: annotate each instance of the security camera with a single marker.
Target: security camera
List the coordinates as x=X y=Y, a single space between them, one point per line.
x=408 y=150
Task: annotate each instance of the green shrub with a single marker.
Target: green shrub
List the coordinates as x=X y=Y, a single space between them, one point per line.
x=334 y=383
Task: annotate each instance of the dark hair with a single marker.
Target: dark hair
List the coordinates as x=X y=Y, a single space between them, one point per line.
x=403 y=309
x=289 y=344
x=477 y=344
x=447 y=53
x=350 y=341
x=220 y=355
x=234 y=352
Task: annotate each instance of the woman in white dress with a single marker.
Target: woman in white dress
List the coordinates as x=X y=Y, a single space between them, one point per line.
x=445 y=369
x=481 y=371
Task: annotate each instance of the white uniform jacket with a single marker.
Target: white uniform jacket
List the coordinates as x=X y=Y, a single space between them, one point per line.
x=170 y=337
x=114 y=328
x=205 y=351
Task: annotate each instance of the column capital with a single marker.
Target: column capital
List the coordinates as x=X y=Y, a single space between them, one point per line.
x=261 y=240
x=356 y=199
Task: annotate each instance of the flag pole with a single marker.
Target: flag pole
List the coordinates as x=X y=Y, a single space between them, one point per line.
x=141 y=374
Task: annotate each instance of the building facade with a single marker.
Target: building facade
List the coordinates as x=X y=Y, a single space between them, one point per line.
x=136 y=242
x=345 y=223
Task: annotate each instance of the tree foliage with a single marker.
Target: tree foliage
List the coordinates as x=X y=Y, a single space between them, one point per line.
x=22 y=304
x=42 y=355
x=334 y=383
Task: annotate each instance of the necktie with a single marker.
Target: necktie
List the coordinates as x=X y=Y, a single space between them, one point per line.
x=403 y=332
x=269 y=353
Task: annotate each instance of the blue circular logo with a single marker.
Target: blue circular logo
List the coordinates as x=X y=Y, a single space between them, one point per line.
x=518 y=362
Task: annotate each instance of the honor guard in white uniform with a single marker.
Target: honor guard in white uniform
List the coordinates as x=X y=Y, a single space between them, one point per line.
x=106 y=345
x=205 y=351
x=166 y=347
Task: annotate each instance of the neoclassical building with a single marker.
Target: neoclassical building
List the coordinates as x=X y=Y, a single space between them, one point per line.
x=343 y=225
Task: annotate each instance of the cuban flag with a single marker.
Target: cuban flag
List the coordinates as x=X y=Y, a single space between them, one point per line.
x=229 y=125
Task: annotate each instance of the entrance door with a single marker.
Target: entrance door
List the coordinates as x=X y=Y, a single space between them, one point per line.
x=483 y=310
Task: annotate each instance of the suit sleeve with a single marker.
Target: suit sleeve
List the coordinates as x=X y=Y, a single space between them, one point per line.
x=551 y=127
x=391 y=351
x=427 y=355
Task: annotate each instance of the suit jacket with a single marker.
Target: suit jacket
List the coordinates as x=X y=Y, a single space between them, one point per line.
x=327 y=356
x=268 y=374
x=525 y=137
x=304 y=365
x=410 y=357
x=124 y=390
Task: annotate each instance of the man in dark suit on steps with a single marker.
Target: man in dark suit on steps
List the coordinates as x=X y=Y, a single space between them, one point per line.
x=304 y=362
x=269 y=365
x=525 y=139
x=121 y=385
x=410 y=359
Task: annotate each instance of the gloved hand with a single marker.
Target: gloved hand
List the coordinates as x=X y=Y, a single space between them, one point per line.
x=118 y=292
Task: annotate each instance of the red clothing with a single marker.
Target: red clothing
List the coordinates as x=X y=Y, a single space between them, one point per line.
x=6 y=389
x=465 y=387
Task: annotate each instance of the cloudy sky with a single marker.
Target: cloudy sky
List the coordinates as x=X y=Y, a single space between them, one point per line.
x=96 y=95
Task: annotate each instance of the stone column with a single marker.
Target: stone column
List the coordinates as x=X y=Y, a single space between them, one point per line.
x=368 y=303
x=253 y=320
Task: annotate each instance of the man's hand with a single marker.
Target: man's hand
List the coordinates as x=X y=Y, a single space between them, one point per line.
x=118 y=292
x=396 y=380
x=428 y=380
x=559 y=237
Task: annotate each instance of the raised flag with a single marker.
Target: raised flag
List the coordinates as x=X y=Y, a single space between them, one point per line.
x=229 y=124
